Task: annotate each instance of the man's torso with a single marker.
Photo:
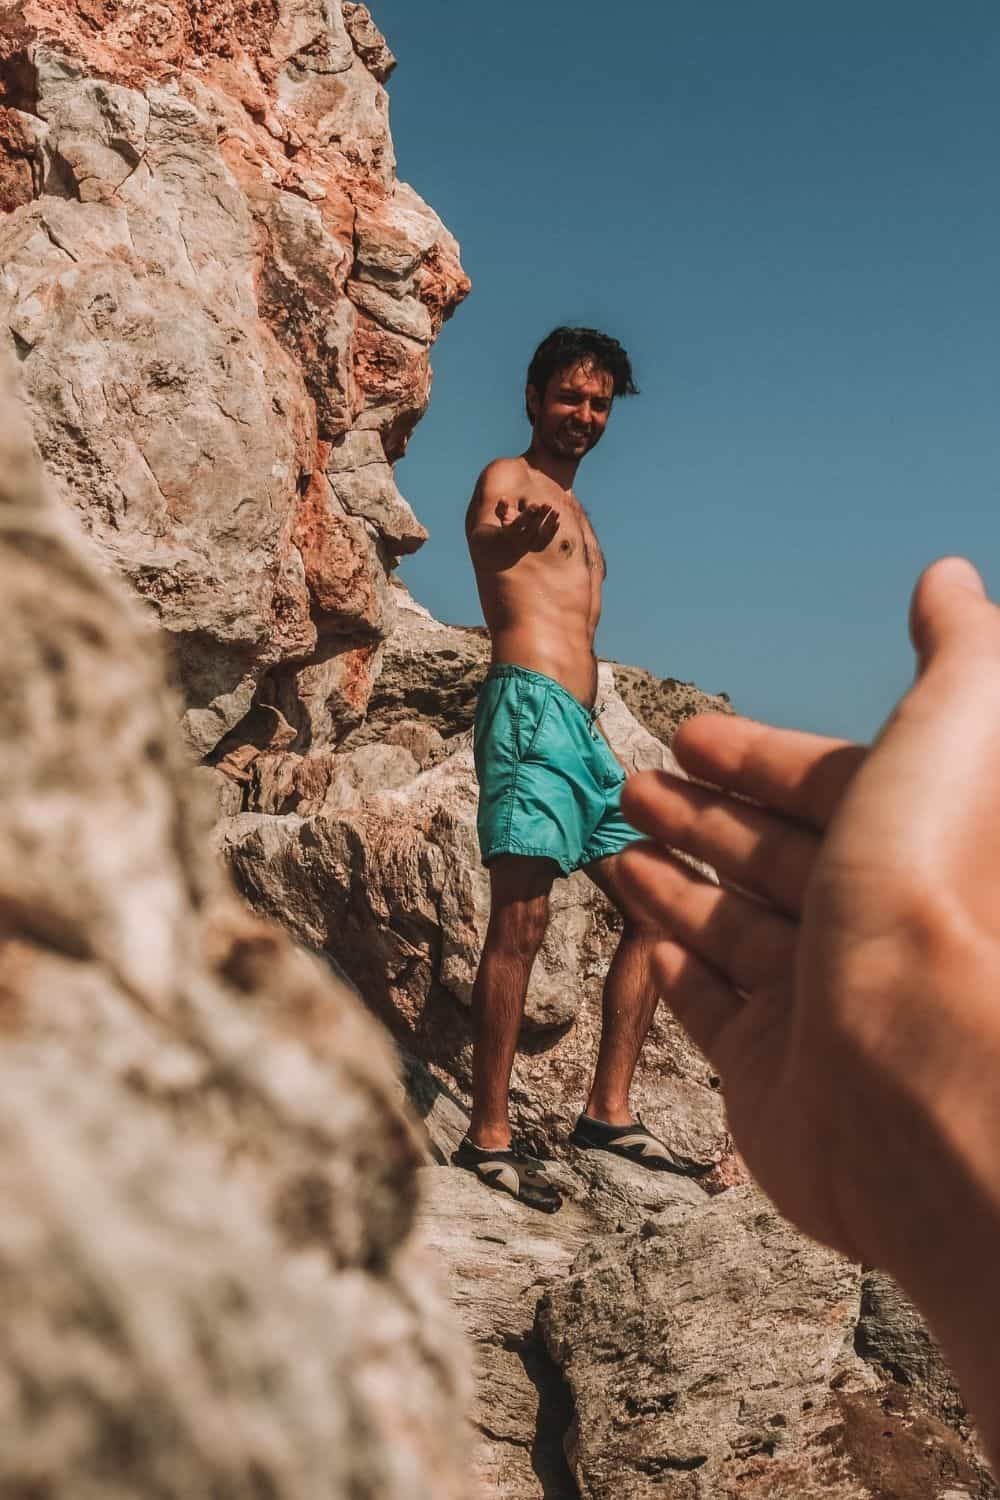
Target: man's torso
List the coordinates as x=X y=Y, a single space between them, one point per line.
x=542 y=612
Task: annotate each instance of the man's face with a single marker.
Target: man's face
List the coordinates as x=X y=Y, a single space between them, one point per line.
x=571 y=415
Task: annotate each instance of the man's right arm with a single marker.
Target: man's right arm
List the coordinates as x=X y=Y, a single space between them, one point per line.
x=502 y=528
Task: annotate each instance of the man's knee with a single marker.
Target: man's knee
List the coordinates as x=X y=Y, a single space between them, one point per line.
x=517 y=929
x=637 y=928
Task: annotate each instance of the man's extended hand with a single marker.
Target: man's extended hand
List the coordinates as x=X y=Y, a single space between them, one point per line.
x=844 y=980
x=531 y=527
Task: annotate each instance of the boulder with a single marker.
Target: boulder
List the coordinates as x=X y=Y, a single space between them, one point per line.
x=222 y=300
x=663 y=703
x=713 y=1355
x=209 y=1180
x=502 y=1260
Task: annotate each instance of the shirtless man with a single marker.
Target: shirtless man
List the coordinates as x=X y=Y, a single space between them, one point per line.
x=549 y=784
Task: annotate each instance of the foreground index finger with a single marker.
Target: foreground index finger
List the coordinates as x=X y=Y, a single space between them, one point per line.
x=748 y=944
x=746 y=845
x=801 y=775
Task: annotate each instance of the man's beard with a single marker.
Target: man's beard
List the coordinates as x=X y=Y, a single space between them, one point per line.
x=566 y=446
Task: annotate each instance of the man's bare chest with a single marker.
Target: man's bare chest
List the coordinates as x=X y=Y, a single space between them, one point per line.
x=575 y=550
x=576 y=543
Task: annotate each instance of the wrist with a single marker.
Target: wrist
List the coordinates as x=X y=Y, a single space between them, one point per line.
x=931 y=1189
x=950 y=1273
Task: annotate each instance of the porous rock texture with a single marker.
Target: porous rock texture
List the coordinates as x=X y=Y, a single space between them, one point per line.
x=713 y=1354
x=211 y=1283
x=221 y=302
x=650 y=1340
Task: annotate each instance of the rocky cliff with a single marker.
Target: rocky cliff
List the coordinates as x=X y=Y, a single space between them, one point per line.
x=222 y=302
x=221 y=1222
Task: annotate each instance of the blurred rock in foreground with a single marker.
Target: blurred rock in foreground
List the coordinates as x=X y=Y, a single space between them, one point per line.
x=211 y=1281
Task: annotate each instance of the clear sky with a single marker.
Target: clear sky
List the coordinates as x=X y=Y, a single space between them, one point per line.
x=789 y=213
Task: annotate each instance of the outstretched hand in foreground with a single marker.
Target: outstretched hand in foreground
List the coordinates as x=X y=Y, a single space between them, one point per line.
x=844 y=980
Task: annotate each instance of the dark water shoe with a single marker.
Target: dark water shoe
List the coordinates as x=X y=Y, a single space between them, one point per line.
x=510 y=1172
x=635 y=1143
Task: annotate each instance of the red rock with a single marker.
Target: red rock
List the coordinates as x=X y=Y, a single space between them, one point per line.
x=194 y=198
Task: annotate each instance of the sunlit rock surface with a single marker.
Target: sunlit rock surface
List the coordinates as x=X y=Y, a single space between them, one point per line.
x=222 y=301
x=225 y=1250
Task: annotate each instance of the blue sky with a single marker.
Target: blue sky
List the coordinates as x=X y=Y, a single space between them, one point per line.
x=789 y=212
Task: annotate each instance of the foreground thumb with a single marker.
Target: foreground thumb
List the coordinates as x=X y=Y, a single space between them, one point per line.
x=949 y=605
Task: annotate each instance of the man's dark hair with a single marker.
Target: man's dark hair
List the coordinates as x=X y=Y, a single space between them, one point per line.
x=565 y=347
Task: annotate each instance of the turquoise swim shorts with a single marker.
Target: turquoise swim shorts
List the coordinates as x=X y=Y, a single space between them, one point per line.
x=548 y=783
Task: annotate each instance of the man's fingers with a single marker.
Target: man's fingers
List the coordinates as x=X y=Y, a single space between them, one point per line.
x=533 y=519
x=522 y=514
x=701 y=999
x=950 y=607
x=801 y=775
x=753 y=849
x=547 y=528
x=535 y=523
x=749 y=945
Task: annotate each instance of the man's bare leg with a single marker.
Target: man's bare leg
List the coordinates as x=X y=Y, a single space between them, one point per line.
x=629 y=1000
x=519 y=915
